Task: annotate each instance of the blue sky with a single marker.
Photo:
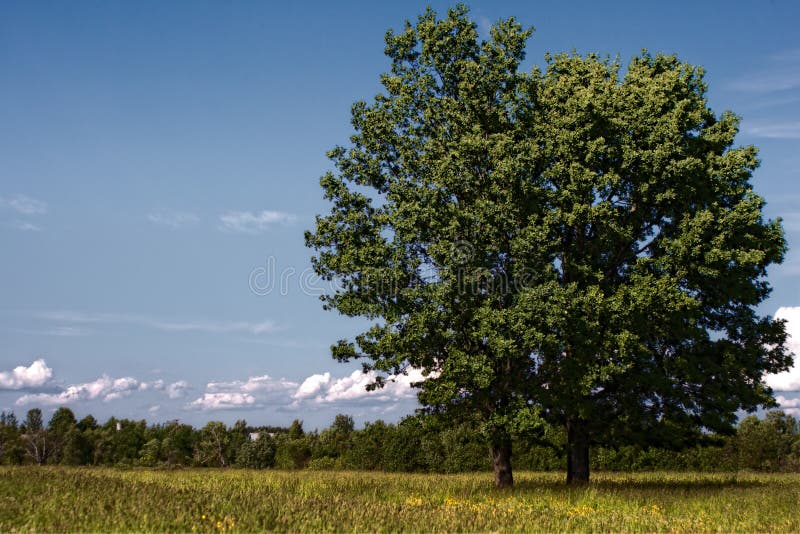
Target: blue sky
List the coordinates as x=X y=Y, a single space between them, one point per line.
x=157 y=157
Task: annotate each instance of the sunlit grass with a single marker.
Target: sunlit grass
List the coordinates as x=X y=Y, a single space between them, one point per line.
x=96 y=499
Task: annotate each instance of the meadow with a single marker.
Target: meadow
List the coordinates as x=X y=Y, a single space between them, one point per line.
x=63 y=499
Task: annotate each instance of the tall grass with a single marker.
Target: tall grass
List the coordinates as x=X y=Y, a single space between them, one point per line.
x=95 y=499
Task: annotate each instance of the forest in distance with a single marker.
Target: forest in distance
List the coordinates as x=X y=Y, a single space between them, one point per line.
x=418 y=443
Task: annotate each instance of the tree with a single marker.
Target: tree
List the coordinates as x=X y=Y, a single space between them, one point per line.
x=293 y=448
x=213 y=447
x=35 y=437
x=61 y=430
x=767 y=443
x=570 y=246
x=257 y=454
x=11 y=449
x=337 y=440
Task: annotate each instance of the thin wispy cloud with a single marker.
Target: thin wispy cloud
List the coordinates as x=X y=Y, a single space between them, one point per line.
x=791 y=221
x=173 y=219
x=247 y=222
x=165 y=325
x=24 y=205
x=58 y=331
x=218 y=327
x=780 y=72
x=25 y=226
x=780 y=130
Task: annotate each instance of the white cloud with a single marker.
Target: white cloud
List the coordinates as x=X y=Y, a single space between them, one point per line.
x=321 y=389
x=26 y=226
x=217 y=327
x=104 y=388
x=24 y=205
x=263 y=383
x=58 y=331
x=788 y=403
x=177 y=390
x=247 y=222
x=255 y=391
x=37 y=374
x=789 y=380
x=173 y=219
x=312 y=386
x=780 y=72
x=317 y=389
x=223 y=401
x=154 y=409
x=157 y=385
x=778 y=130
x=212 y=327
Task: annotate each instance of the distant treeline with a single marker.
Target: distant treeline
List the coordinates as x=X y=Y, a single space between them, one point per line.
x=418 y=443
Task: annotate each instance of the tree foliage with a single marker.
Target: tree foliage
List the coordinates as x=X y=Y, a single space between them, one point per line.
x=575 y=245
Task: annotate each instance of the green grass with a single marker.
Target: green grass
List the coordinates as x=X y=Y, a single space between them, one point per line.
x=95 y=499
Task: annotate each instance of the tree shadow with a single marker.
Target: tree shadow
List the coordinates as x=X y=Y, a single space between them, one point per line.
x=634 y=483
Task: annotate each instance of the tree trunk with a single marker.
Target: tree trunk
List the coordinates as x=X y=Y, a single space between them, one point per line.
x=578 y=457
x=501 y=457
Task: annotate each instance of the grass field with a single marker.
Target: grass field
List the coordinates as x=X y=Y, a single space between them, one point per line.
x=96 y=499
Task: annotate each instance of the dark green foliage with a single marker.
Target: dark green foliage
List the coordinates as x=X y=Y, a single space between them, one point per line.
x=769 y=444
x=257 y=454
x=11 y=447
x=64 y=435
x=421 y=443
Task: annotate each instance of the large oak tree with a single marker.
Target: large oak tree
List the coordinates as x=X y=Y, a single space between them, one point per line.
x=570 y=245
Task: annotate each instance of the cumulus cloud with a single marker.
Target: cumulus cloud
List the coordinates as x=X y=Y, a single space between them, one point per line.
x=247 y=222
x=104 y=388
x=24 y=205
x=177 y=390
x=790 y=406
x=263 y=383
x=255 y=391
x=317 y=389
x=223 y=401
x=789 y=380
x=37 y=374
x=322 y=389
x=173 y=219
x=312 y=386
x=156 y=385
x=788 y=403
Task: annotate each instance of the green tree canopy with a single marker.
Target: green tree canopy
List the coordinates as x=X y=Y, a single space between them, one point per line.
x=575 y=244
